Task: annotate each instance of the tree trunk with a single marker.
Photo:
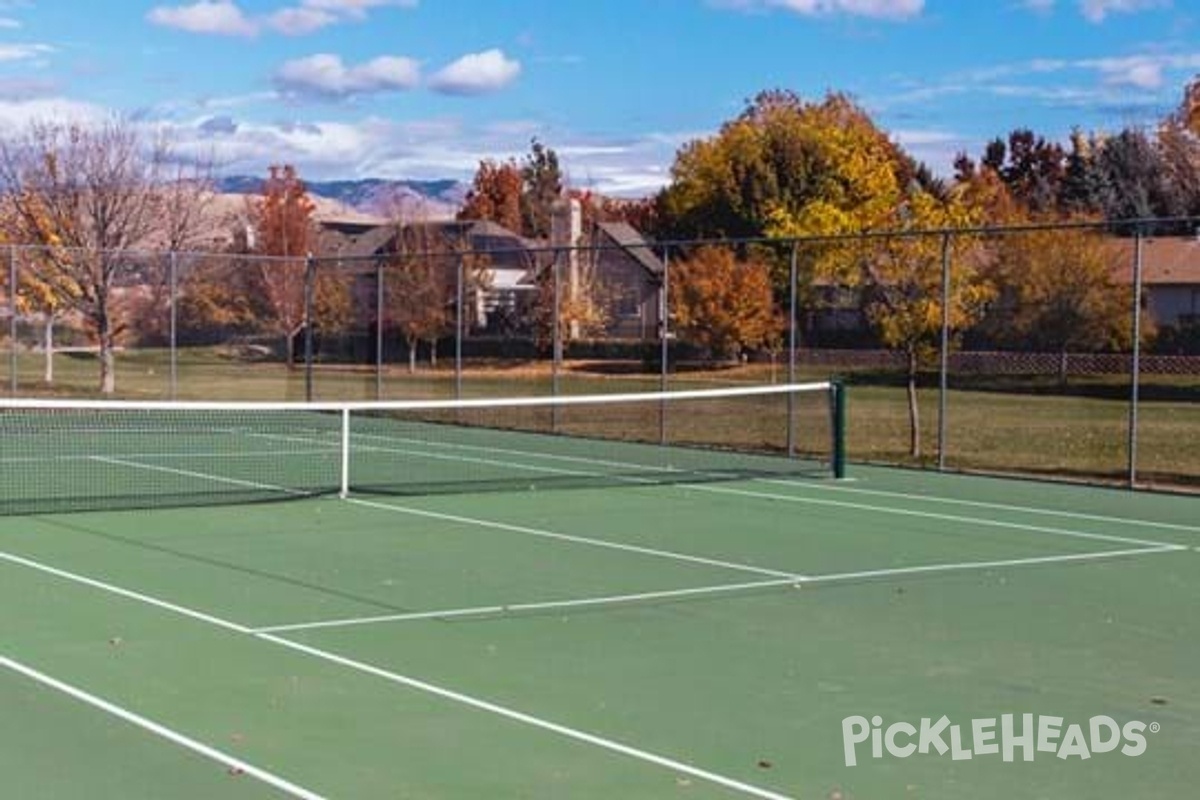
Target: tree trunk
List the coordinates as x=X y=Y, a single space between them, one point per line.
x=433 y=353
x=48 y=349
x=108 y=374
x=1062 y=367
x=412 y=356
x=289 y=350
x=914 y=414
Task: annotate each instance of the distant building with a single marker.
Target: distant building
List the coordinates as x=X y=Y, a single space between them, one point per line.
x=611 y=260
x=1170 y=278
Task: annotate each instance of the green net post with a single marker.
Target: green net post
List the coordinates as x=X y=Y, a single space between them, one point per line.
x=837 y=399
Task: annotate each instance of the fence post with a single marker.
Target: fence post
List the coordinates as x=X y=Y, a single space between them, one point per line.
x=944 y=366
x=459 y=300
x=310 y=277
x=793 y=283
x=1135 y=366
x=379 y=289
x=556 y=342
x=173 y=308
x=664 y=325
x=12 y=320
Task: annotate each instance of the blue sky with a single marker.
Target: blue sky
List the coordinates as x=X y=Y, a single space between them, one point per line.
x=427 y=88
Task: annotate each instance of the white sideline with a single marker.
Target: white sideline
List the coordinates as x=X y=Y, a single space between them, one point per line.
x=232 y=762
x=413 y=683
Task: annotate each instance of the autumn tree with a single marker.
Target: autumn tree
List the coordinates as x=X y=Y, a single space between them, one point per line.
x=785 y=164
x=520 y=197
x=495 y=195
x=724 y=305
x=419 y=286
x=1189 y=109
x=542 y=187
x=583 y=299
x=88 y=195
x=902 y=285
x=1058 y=293
x=284 y=230
x=219 y=295
x=1032 y=167
x=44 y=292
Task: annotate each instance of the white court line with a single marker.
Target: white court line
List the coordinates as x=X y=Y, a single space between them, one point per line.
x=815 y=501
x=459 y=698
x=709 y=591
x=1049 y=512
x=548 y=605
x=187 y=473
x=232 y=762
x=904 y=512
x=648 y=551
x=566 y=537
x=892 y=572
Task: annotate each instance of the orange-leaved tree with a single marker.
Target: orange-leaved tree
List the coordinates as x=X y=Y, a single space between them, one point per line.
x=724 y=305
x=284 y=233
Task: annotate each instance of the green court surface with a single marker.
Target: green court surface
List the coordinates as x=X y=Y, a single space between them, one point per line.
x=550 y=632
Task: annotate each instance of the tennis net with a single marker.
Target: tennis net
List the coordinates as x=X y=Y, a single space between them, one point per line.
x=73 y=455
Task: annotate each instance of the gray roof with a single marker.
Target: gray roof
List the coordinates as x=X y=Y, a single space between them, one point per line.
x=339 y=239
x=630 y=240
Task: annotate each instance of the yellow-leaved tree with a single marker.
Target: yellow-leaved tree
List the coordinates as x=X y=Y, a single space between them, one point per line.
x=87 y=196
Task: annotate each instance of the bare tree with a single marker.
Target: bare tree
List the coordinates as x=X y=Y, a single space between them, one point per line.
x=87 y=195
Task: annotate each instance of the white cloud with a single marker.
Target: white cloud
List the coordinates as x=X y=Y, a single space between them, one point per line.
x=875 y=9
x=17 y=115
x=356 y=8
x=936 y=148
x=1141 y=72
x=312 y=15
x=299 y=21
x=226 y=18
x=1097 y=10
x=8 y=23
x=1039 y=6
x=326 y=75
x=220 y=17
x=23 y=52
x=477 y=73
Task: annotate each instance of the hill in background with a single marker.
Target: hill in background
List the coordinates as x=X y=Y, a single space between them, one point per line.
x=370 y=197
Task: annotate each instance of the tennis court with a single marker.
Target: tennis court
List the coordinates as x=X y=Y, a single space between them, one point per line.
x=577 y=599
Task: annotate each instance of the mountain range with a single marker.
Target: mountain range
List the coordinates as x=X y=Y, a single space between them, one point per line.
x=370 y=197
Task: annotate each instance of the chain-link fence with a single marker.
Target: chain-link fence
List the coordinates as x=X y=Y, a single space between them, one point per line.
x=1002 y=350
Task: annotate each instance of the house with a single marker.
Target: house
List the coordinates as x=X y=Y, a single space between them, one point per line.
x=1170 y=279
x=615 y=269
x=633 y=273
x=611 y=263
